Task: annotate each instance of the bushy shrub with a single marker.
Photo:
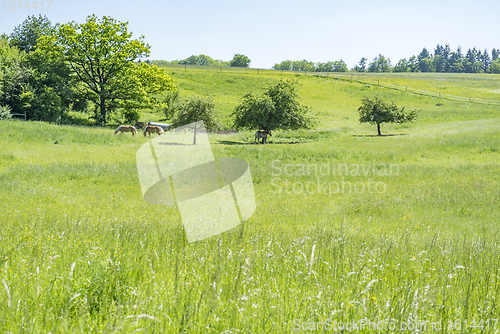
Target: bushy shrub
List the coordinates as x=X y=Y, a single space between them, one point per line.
x=131 y=116
x=5 y=112
x=197 y=108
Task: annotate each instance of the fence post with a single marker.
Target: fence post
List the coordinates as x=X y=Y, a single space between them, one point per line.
x=185 y=67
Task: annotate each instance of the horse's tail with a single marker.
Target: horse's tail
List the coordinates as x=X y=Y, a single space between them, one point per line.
x=118 y=129
x=145 y=130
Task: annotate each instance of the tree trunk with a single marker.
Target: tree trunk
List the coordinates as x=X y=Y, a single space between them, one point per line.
x=102 y=108
x=194 y=138
x=378 y=129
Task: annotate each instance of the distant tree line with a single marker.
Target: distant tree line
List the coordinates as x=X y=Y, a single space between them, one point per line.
x=238 y=60
x=309 y=66
x=443 y=60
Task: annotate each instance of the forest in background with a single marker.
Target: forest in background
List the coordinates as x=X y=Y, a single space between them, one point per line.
x=443 y=60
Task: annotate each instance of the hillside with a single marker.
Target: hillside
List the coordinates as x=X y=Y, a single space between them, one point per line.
x=335 y=102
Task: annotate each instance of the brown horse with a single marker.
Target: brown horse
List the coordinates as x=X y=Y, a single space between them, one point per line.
x=153 y=129
x=125 y=128
x=263 y=135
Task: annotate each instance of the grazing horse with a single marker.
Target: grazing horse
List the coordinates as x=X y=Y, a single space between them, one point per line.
x=125 y=128
x=263 y=135
x=153 y=129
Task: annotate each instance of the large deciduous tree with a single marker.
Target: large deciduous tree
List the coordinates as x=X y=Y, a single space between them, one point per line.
x=101 y=54
x=377 y=111
x=277 y=108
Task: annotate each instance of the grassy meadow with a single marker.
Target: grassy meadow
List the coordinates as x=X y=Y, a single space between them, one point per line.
x=401 y=229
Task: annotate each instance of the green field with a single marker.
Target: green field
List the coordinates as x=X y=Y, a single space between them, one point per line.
x=403 y=229
x=335 y=102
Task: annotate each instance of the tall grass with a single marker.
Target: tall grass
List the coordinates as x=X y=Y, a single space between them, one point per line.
x=80 y=250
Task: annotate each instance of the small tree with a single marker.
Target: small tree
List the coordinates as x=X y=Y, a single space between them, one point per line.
x=196 y=109
x=378 y=111
x=277 y=108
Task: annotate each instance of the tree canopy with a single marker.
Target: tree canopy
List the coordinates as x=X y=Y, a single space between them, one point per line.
x=377 y=111
x=240 y=60
x=495 y=66
x=277 y=108
x=446 y=61
x=45 y=92
x=25 y=36
x=14 y=75
x=196 y=108
x=380 y=64
x=100 y=54
x=201 y=60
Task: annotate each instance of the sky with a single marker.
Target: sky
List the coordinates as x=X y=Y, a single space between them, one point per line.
x=270 y=31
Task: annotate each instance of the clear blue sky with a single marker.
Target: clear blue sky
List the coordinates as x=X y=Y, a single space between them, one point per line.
x=269 y=31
